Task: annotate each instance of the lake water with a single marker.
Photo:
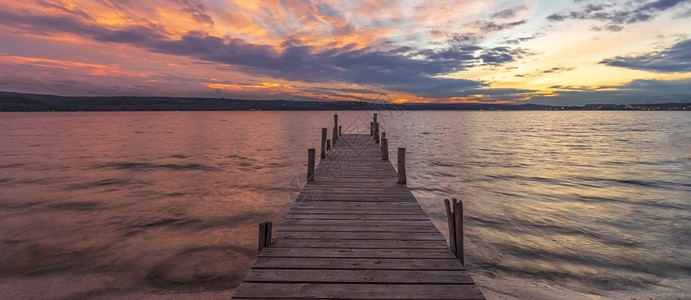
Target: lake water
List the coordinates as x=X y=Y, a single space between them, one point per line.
x=559 y=205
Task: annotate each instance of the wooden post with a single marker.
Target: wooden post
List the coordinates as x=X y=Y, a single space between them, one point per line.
x=375 y=117
x=323 y=147
x=335 y=135
x=384 y=149
x=262 y=236
x=328 y=144
x=265 y=232
x=454 y=214
x=310 y=164
x=401 y=166
x=383 y=135
x=371 y=128
x=376 y=133
x=458 y=223
x=339 y=130
x=452 y=228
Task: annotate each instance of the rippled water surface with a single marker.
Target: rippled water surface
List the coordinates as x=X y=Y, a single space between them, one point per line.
x=125 y=205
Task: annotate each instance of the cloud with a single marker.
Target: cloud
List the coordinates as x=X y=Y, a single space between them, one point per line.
x=197 y=10
x=674 y=59
x=295 y=62
x=489 y=26
x=635 y=92
x=617 y=13
x=508 y=13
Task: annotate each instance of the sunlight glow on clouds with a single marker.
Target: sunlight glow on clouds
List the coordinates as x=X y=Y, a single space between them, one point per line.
x=555 y=52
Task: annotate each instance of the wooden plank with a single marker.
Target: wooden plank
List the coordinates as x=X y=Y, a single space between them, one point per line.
x=358 y=244
x=355 y=216
x=359 y=263
x=359 y=276
x=403 y=236
x=306 y=203
x=378 y=228
x=356 y=222
x=256 y=290
x=355 y=253
x=361 y=212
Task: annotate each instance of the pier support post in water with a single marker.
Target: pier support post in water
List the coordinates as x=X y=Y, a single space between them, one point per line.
x=335 y=133
x=384 y=149
x=401 y=166
x=371 y=128
x=375 y=117
x=334 y=136
x=376 y=133
x=328 y=144
x=310 y=164
x=265 y=229
x=323 y=148
x=455 y=220
x=339 y=130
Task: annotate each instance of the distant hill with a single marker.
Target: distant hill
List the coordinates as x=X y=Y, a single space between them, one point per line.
x=16 y=102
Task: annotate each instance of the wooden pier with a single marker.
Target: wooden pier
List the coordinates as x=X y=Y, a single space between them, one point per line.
x=355 y=232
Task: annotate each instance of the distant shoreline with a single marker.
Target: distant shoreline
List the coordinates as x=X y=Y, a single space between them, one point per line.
x=21 y=102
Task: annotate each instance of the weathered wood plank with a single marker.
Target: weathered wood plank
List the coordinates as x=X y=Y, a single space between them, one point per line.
x=355 y=253
x=357 y=222
x=358 y=244
x=256 y=290
x=391 y=211
x=359 y=276
x=359 y=263
x=378 y=228
x=402 y=236
x=342 y=216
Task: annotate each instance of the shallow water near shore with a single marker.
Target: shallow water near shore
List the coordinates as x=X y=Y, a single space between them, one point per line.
x=559 y=205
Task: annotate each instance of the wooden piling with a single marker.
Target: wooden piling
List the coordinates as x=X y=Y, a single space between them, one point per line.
x=458 y=222
x=371 y=128
x=375 y=117
x=376 y=133
x=265 y=232
x=323 y=144
x=335 y=133
x=401 y=166
x=454 y=214
x=384 y=149
x=334 y=136
x=339 y=130
x=452 y=228
x=328 y=144
x=310 y=164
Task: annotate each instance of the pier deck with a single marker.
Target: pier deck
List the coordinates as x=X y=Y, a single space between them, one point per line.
x=354 y=233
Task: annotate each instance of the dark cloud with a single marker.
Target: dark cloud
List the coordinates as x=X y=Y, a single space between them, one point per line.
x=675 y=59
x=618 y=13
x=197 y=10
x=489 y=26
x=635 y=92
x=508 y=13
x=556 y=70
x=501 y=55
x=47 y=25
x=57 y=5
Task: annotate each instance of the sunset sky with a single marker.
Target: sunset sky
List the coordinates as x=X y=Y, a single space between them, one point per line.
x=553 y=52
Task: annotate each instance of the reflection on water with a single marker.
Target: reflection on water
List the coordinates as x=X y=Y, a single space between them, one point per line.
x=558 y=204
